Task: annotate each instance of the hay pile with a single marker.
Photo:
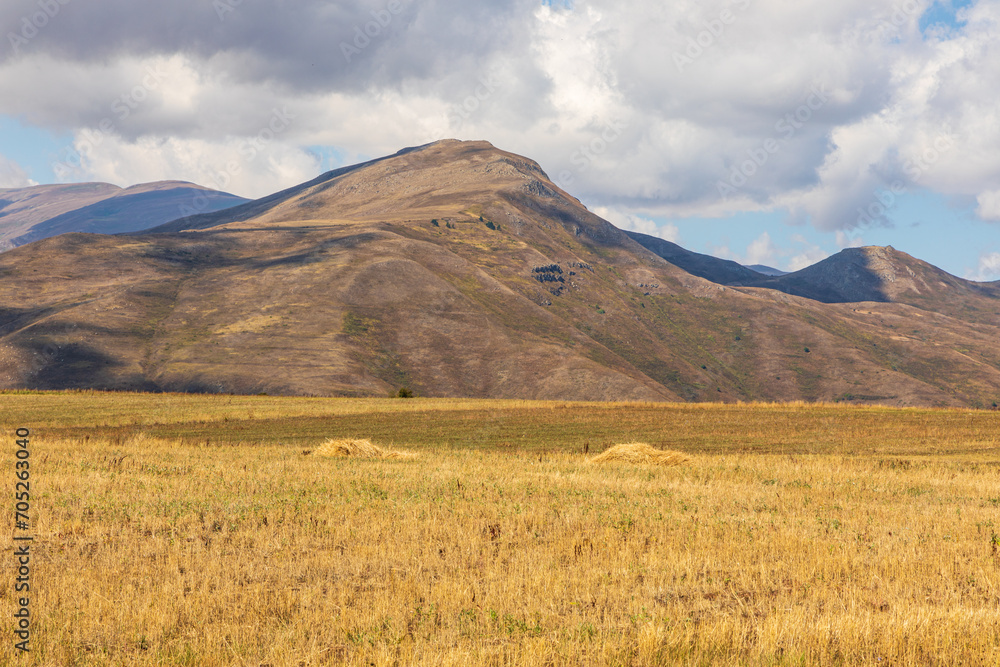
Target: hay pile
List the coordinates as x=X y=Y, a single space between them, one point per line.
x=364 y=449
x=640 y=452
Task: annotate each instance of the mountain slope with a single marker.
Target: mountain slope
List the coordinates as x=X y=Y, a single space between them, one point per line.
x=456 y=269
x=30 y=214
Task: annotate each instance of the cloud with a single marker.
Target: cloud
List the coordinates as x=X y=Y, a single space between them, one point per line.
x=13 y=175
x=988 y=269
x=250 y=167
x=635 y=223
x=820 y=109
x=846 y=240
x=989 y=205
x=805 y=254
x=763 y=250
x=299 y=46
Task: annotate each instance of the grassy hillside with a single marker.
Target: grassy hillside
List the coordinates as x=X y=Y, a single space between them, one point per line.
x=182 y=530
x=532 y=426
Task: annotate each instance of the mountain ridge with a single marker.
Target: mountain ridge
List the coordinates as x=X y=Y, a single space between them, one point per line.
x=458 y=269
x=37 y=212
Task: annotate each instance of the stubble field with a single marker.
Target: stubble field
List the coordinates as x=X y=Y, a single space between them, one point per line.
x=184 y=530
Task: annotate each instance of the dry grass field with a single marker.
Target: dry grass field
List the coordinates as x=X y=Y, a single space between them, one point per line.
x=182 y=530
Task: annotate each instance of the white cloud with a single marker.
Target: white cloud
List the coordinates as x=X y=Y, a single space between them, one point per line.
x=763 y=250
x=989 y=205
x=249 y=167
x=13 y=175
x=635 y=223
x=592 y=92
x=846 y=240
x=807 y=255
x=988 y=269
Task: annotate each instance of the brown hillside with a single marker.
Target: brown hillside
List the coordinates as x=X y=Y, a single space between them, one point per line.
x=455 y=269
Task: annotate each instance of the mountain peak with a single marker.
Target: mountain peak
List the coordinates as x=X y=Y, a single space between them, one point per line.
x=442 y=179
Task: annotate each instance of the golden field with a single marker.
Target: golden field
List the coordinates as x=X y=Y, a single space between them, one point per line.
x=183 y=530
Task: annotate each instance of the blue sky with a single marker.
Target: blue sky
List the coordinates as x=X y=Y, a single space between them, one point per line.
x=943 y=13
x=33 y=148
x=641 y=113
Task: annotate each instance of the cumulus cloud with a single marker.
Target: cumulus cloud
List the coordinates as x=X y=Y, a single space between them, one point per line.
x=846 y=240
x=989 y=205
x=988 y=269
x=636 y=223
x=251 y=167
x=763 y=250
x=805 y=254
x=831 y=111
x=13 y=175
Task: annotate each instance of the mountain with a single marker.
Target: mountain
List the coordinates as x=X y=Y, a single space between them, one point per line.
x=887 y=275
x=458 y=269
x=711 y=268
x=30 y=214
x=766 y=270
x=872 y=273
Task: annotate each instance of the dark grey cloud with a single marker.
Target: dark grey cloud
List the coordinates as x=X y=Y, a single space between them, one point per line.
x=305 y=46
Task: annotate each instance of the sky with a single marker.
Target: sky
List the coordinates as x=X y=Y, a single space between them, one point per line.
x=764 y=131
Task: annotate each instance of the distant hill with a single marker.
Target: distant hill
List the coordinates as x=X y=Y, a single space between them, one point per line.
x=884 y=274
x=704 y=266
x=458 y=269
x=767 y=270
x=34 y=213
x=854 y=275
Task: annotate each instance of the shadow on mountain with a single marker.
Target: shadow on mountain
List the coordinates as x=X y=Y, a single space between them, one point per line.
x=12 y=319
x=77 y=365
x=847 y=277
x=131 y=212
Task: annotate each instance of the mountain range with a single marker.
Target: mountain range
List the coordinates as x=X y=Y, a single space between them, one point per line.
x=458 y=269
x=38 y=212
